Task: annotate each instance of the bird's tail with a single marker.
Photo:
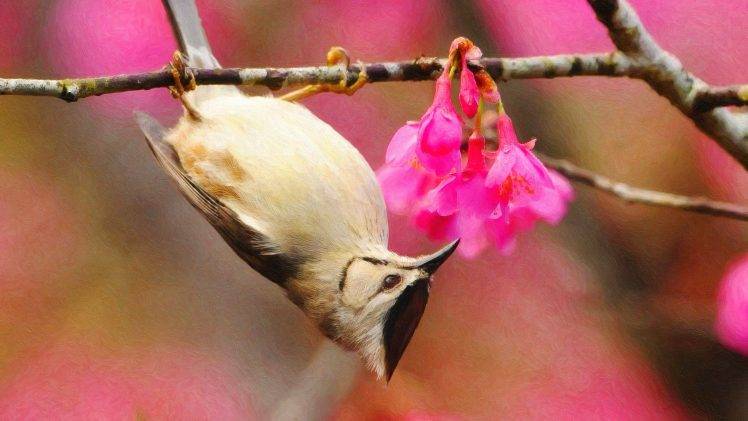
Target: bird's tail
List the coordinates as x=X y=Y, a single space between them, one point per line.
x=185 y=22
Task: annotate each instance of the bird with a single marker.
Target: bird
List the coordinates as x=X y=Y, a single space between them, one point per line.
x=296 y=201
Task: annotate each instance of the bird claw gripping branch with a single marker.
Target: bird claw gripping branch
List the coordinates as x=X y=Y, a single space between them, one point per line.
x=336 y=56
x=180 y=72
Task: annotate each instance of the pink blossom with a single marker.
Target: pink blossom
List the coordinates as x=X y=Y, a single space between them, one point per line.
x=469 y=94
x=519 y=175
x=479 y=206
x=472 y=85
x=528 y=191
x=551 y=208
x=732 y=307
x=550 y=205
x=403 y=186
x=421 y=151
x=403 y=179
x=423 y=174
x=402 y=147
x=440 y=131
x=461 y=204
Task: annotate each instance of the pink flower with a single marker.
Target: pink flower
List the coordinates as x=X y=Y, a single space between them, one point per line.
x=469 y=94
x=473 y=85
x=550 y=205
x=403 y=179
x=461 y=204
x=521 y=178
x=551 y=208
x=440 y=131
x=479 y=206
x=732 y=307
x=423 y=174
x=402 y=148
x=421 y=151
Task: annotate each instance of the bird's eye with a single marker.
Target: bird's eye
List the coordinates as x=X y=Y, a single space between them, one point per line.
x=391 y=281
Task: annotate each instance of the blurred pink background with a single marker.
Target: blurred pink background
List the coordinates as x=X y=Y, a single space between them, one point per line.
x=117 y=300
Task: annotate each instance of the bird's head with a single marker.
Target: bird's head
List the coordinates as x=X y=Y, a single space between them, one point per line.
x=379 y=301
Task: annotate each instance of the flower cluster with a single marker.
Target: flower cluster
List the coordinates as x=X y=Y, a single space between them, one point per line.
x=484 y=197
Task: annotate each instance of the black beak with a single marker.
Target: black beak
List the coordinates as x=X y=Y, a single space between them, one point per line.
x=431 y=263
x=404 y=316
x=402 y=321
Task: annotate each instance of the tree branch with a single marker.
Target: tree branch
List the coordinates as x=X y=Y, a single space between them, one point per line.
x=648 y=197
x=666 y=75
x=638 y=56
x=424 y=68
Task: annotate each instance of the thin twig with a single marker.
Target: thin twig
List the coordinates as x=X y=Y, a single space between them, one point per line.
x=720 y=96
x=648 y=197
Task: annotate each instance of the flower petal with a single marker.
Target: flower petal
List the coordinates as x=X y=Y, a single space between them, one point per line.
x=402 y=147
x=403 y=186
x=469 y=94
x=562 y=185
x=540 y=168
x=440 y=131
x=501 y=167
x=439 y=139
x=506 y=132
x=435 y=226
x=473 y=53
x=443 y=198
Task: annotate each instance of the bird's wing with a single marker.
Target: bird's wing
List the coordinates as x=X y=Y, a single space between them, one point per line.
x=257 y=249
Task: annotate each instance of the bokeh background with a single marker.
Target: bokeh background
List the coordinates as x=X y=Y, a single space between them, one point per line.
x=117 y=300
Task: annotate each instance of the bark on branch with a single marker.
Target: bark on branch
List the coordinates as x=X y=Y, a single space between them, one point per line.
x=423 y=68
x=633 y=194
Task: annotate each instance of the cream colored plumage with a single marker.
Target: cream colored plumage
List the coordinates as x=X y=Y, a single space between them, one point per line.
x=283 y=170
x=298 y=203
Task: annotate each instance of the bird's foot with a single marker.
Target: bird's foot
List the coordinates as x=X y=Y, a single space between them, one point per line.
x=336 y=56
x=180 y=72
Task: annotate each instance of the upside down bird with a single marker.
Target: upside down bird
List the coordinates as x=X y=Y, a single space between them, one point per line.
x=297 y=202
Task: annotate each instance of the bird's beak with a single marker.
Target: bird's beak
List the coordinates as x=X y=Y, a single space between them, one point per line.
x=431 y=263
x=402 y=321
x=404 y=316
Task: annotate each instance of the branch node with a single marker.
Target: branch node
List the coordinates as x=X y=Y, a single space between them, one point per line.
x=68 y=91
